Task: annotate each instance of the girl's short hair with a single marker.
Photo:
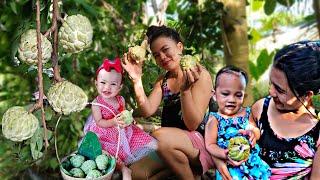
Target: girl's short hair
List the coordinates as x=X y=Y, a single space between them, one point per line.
x=300 y=62
x=230 y=69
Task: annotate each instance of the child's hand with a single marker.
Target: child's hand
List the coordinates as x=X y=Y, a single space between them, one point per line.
x=235 y=163
x=251 y=135
x=120 y=121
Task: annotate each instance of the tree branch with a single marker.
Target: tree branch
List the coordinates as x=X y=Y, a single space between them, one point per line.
x=54 y=56
x=40 y=78
x=316 y=6
x=114 y=15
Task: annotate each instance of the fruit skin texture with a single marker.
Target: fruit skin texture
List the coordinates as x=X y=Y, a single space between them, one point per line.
x=28 y=51
x=88 y=165
x=188 y=61
x=77 y=172
x=139 y=52
x=93 y=174
x=77 y=160
x=102 y=161
x=127 y=116
x=239 y=148
x=76 y=33
x=65 y=97
x=18 y=124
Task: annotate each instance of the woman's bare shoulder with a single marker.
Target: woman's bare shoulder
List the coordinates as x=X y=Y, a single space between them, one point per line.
x=257 y=108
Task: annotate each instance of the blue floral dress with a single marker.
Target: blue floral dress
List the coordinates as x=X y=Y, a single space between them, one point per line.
x=254 y=167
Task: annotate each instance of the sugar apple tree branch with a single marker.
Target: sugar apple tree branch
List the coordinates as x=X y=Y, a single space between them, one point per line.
x=54 y=56
x=39 y=104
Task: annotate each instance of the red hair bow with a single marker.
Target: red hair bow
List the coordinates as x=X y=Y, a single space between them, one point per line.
x=108 y=65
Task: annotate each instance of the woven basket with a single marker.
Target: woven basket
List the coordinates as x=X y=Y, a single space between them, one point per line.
x=104 y=177
x=107 y=176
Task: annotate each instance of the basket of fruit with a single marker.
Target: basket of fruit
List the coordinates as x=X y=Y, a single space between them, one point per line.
x=89 y=162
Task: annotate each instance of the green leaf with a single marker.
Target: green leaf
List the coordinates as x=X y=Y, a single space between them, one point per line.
x=256 y=5
x=263 y=61
x=255 y=35
x=253 y=70
x=36 y=144
x=286 y=3
x=269 y=6
x=13 y=6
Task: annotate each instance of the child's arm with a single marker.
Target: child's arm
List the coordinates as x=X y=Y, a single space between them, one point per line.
x=211 y=134
x=97 y=116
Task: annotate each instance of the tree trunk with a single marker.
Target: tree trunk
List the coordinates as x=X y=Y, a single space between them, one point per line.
x=316 y=7
x=235 y=38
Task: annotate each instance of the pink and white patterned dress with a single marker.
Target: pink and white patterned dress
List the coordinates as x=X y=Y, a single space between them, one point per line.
x=134 y=142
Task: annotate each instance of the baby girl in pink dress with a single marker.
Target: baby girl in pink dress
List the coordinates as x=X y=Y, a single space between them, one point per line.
x=134 y=142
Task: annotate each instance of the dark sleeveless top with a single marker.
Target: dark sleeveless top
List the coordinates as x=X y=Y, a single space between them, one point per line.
x=287 y=157
x=171 y=112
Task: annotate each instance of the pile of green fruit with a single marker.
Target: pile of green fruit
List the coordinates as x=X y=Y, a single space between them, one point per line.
x=79 y=166
x=89 y=161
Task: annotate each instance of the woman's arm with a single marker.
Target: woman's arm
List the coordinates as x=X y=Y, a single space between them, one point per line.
x=195 y=100
x=147 y=105
x=97 y=116
x=211 y=134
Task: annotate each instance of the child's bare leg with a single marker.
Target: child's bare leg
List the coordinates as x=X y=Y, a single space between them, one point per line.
x=126 y=173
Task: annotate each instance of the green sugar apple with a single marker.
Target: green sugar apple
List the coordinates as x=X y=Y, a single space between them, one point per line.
x=65 y=97
x=76 y=33
x=18 y=124
x=102 y=161
x=28 y=51
x=77 y=160
x=126 y=116
x=138 y=53
x=239 y=148
x=188 y=61
x=77 y=172
x=111 y=165
x=93 y=174
x=88 y=165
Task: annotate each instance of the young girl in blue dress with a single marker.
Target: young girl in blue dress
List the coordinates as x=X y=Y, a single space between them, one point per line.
x=230 y=121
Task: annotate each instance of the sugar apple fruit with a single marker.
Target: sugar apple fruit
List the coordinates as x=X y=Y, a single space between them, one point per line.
x=88 y=165
x=28 y=51
x=126 y=116
x=102 y=161
x=65 y=97
x=77 y=160
x=77 y=172
x=138 y=53
x=18 y=124
x=76 y=33
x=188 y=61
x=93 y=174
x=239 y=148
